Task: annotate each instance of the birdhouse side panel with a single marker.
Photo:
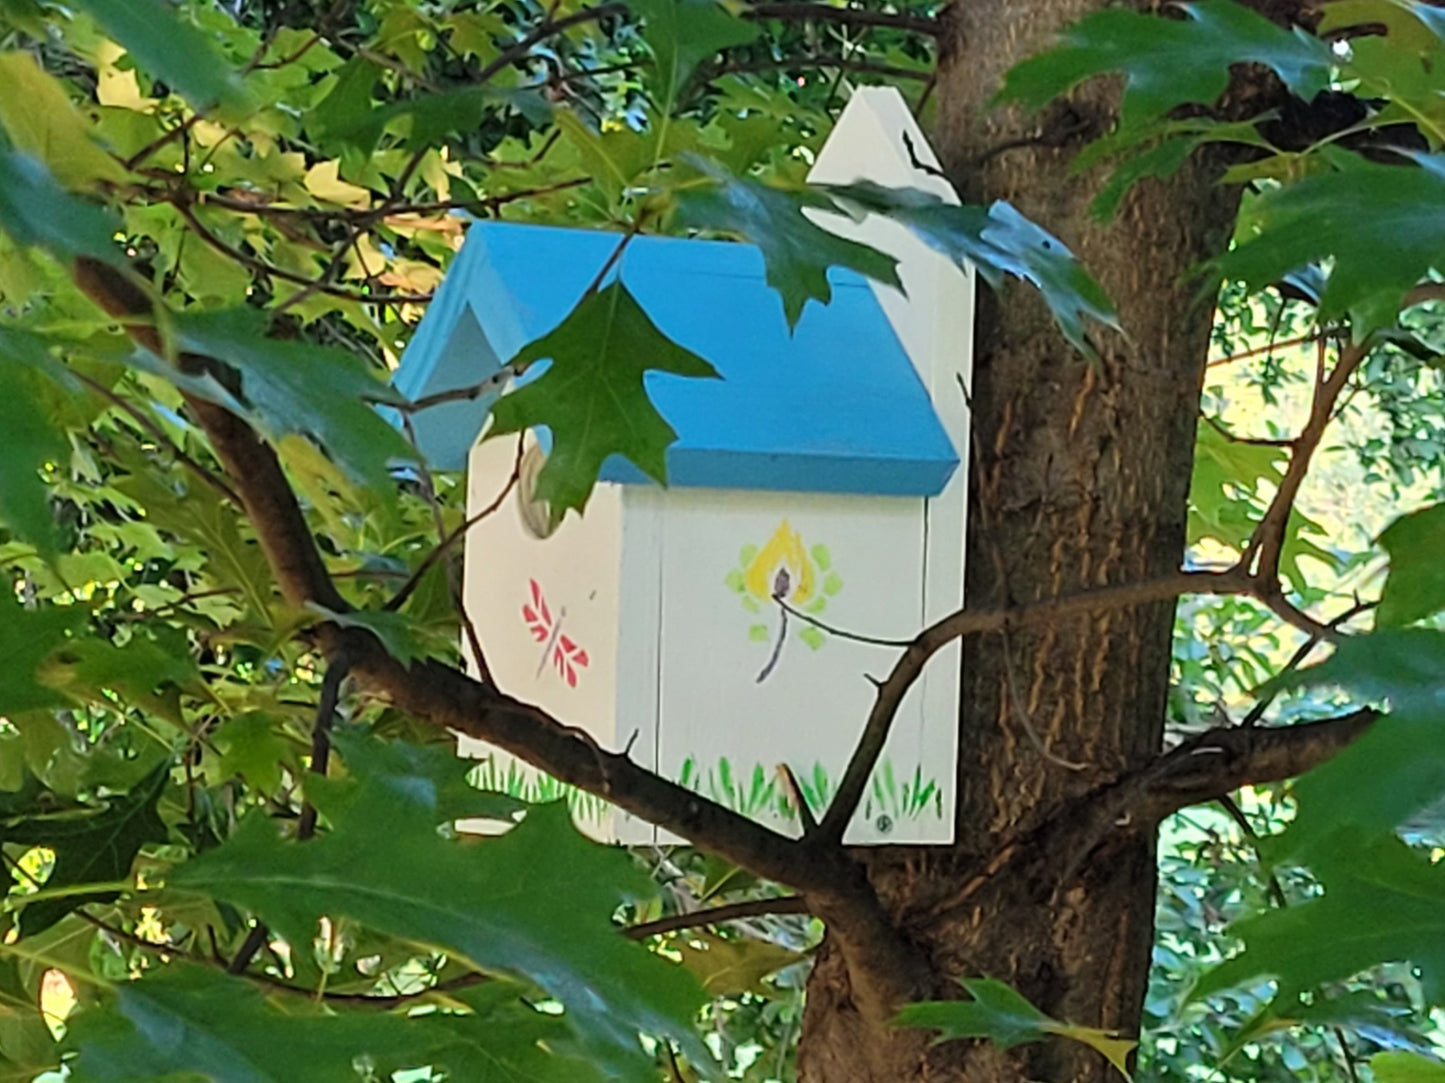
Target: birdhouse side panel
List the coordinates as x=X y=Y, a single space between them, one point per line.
x=546 y=613
x=757 y=675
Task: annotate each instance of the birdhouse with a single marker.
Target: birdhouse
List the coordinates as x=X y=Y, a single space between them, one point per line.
x=723 y=630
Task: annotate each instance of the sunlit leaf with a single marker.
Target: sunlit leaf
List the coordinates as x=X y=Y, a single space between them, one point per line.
x=1402 y=1067
x=1005 y=1017
x=731 y=967
x=324 y=394
x=1378 y=225
x=40 y=121
x=169 y=48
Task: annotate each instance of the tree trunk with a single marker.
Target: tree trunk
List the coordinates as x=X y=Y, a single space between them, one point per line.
x=1081 y=472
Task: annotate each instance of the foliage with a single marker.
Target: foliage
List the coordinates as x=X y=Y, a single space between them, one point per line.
x=1002 y=1015
x=286 y=185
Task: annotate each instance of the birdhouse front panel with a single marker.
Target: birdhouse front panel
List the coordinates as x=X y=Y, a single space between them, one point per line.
x=766 y=599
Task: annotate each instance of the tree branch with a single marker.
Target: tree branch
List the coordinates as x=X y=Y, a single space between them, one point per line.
x=715 y=915
x=1222 y=760
x=321 y=736
x=1268 y=540
x=548 y=28
x=265 y=494
x=972 y=622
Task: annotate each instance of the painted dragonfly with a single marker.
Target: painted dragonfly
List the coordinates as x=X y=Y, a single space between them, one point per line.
x=546 y=629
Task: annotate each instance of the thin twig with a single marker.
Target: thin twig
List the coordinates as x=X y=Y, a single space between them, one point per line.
x=254 y=942
x=522 y=48
x=454 y=587
x=716 y=915
x=623 y=242
x=364 y=215
x=1267 y=542
x=271 y=270
x=1257 y=712
x=812 y=63
x=321 y=736
x=495 y=382
x=456 y=535
x=1252 y=441
x=1269 y=347
x=841 y=633
x=141 y=418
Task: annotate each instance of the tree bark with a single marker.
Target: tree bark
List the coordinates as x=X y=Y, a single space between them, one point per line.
x=1081 y=473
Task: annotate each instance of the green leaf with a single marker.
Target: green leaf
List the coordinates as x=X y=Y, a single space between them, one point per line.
x=998 y=241
x=404 y=639
x=90 y=847
x=1379 y=226
x=38 y=213
x=31 y=442
x=252 y=748
x=497 y=904
x=1170 y=62
x=435 y=771
x=430 y=117
x=798 y=253
x=1396 y=767
x=1382 y=902
x=186 y=1021
x=148 y=670
x=731 y=967
x=1399 y=1067
x=1005 y=1017
x=682 y=34
x=170 y=49
x=40 y=120
x=996 y=1012
x=592 y=395
x=1415 y=586
x=27 y=638
x=323 y=394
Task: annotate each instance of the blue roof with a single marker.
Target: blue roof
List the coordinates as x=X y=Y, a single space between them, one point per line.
x=834 y=407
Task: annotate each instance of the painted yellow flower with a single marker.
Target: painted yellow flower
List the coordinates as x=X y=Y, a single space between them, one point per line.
x=782 y=566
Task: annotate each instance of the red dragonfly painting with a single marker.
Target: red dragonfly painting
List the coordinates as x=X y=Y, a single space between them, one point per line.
x=546 y=629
